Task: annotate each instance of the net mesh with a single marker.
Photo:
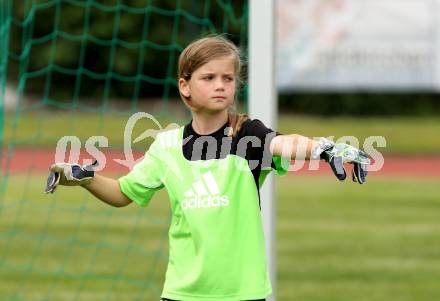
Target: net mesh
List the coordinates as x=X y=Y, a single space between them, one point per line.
x=81 y=69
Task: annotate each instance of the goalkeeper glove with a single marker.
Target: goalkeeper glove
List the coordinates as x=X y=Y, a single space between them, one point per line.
x=69 y=175
x=338 y=154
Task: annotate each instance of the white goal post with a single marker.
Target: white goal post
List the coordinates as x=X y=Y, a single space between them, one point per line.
x=262 y=104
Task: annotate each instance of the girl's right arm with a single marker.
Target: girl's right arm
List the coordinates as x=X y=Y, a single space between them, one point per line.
x=107 y=190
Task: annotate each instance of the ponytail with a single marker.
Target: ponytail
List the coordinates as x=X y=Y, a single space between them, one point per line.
x=235 y=122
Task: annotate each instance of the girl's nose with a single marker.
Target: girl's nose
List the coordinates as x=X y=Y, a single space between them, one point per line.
x=219 y=84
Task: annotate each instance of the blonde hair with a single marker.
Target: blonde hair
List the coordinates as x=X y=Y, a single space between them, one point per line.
x=200 y=52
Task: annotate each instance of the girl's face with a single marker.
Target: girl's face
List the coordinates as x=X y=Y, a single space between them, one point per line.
x=211 y=87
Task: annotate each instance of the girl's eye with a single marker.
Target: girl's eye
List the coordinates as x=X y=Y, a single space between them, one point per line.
x=229 y=79
x=209 y=77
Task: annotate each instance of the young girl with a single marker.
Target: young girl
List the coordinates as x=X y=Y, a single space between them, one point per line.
x=212 y=169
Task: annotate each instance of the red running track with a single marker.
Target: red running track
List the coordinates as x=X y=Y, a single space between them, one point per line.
x=39 y=160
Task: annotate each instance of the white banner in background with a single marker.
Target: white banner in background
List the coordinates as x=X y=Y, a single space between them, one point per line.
x=358 y=44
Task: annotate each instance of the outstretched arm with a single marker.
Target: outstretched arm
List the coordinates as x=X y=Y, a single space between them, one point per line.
x=107 y=190
x=295 y=146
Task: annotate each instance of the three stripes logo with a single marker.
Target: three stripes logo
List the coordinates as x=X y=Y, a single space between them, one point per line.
x=204 y=193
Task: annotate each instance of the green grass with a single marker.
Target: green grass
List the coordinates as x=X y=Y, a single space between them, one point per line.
x=69 y=246
x=404 y=135
x=44 y=128
x=341 y=241
x=336 y=241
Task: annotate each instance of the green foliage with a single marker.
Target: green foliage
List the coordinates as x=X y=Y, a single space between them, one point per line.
x=362 y=104
x=106 y=47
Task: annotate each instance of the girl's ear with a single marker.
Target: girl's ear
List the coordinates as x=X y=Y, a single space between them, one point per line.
x=184 y=87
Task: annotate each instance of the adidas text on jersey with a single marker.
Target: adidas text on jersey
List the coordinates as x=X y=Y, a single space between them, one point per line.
x=204 y=194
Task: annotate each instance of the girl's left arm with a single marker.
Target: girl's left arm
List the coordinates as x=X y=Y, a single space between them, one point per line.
x=296 y=146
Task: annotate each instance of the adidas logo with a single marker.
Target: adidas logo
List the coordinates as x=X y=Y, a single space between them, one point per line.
x=204 y=194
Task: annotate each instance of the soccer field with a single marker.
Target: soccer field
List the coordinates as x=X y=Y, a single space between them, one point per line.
x=341 y=241
x=83 y=78
x=336 y=241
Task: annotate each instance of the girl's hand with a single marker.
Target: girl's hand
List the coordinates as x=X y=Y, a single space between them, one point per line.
x=69 y=175
x=338 y=154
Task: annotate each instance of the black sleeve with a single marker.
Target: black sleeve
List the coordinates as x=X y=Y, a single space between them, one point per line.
x=257 y=128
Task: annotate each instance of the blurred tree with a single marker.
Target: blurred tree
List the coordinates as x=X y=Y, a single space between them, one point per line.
x=108 y=45
x=121 y=39
x=361 y=103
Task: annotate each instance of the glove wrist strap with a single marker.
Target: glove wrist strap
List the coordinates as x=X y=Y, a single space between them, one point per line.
x=319 y=151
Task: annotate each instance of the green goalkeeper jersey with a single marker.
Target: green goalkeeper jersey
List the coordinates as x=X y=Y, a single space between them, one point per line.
x=216 y=241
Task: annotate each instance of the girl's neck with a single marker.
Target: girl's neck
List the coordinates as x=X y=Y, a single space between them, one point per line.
x=204 y=124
